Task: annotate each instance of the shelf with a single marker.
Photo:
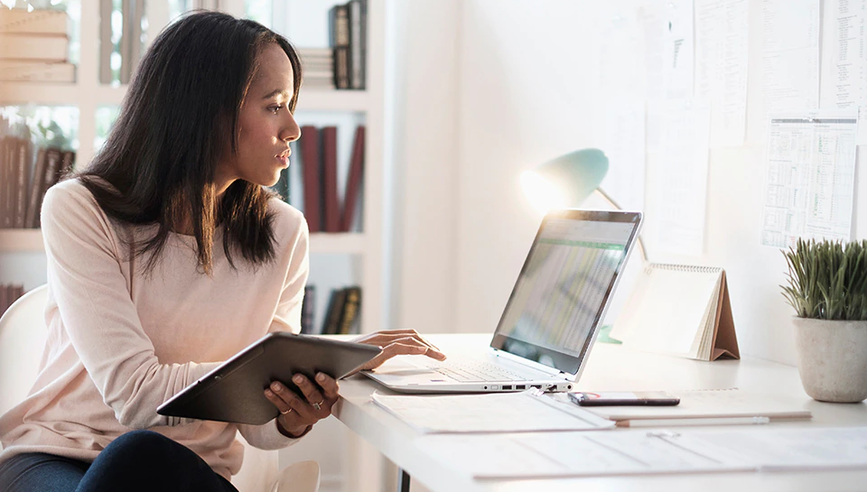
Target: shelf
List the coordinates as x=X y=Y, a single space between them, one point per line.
x=66 y=95
x=344 y=242
x=30 y=240
x=57 y=94
x=20 y=240
x=332 y=100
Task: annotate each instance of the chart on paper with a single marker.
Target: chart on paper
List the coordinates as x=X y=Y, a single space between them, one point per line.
x=810 y=184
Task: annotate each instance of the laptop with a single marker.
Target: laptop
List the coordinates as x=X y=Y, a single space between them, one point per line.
x=552 y=317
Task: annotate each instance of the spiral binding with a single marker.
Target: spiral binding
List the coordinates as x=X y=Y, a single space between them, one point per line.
x=683 y=268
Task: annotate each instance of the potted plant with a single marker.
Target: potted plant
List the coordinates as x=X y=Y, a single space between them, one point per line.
x=828 y=289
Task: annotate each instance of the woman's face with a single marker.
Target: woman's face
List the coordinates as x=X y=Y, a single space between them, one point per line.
x=265 y=126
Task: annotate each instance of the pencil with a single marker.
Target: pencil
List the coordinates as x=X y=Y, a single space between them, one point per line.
x=694 y=421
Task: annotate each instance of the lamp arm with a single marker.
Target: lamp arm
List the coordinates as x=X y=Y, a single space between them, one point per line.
x=614 y=204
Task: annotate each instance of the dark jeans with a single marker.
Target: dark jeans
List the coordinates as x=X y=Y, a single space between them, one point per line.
x=137 y=461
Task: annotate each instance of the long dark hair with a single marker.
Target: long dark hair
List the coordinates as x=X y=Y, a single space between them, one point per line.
x=160 y=158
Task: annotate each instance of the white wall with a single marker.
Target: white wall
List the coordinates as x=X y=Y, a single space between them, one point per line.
x=526 y=94
x=424 y=92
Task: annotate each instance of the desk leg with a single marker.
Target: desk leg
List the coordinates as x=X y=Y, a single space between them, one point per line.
x=403 y=479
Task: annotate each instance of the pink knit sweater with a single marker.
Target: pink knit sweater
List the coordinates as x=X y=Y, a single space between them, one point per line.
x=121 y=341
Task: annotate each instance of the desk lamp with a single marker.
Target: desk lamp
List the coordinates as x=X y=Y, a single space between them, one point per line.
x=566 y=181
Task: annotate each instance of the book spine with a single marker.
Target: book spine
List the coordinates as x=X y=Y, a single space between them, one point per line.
x=67 y=165
x=350 y=311
x=6 y=182
x=310 y=165
x=335 y=308
x=329 y=178
x=36 y=186
x=308 y=310
x=340 y=39
x=22 y=169
x=353 y=182
x=37 y=72
x=40 y=21
x=33 y=47
x=357 y=42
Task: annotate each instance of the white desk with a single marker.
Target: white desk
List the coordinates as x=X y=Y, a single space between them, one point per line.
x=612 y=367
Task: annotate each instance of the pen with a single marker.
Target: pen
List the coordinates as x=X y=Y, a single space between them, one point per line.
x=697 y=421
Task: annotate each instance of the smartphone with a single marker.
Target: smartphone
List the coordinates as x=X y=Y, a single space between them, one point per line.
x=610 y=398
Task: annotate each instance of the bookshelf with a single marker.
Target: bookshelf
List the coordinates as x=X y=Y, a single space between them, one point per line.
x=356 y=466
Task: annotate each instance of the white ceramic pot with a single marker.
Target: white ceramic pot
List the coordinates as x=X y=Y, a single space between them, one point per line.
x=832 y=359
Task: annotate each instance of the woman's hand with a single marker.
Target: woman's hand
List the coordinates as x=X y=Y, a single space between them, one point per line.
x=297 y=415
x=397 y=342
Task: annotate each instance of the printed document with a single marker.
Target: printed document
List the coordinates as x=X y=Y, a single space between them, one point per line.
x=810 y=182
x=790 y=62
x=686 y=450
x=721 y=47
x=844 y=58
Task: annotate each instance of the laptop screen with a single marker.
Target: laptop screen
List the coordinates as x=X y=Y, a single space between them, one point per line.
x=568 y=278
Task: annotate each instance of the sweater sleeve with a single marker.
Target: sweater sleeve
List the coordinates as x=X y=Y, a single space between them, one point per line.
x=85 y=276
x=287 y=317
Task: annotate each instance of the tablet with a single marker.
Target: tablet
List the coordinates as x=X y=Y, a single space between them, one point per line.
x=234 y=391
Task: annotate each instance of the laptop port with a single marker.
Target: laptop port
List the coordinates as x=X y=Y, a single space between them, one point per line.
x=507 y=386
x=537 y=386
x=519 y=386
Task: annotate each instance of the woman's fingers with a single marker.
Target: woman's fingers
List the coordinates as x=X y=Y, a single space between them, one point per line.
x=383 y=338
x=404 y=346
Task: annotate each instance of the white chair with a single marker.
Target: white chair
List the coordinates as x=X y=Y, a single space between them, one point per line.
x=22 y=338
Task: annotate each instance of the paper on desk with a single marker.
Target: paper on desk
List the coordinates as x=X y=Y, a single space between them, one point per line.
x=499 y=412
x=564 y=454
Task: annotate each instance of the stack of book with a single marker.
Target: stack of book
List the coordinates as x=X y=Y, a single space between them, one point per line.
x=8 y=295
x=34 y=46
x=318 y=66
x=342 y=316
x=348 y=38
x=25 y=180
x=344 y=308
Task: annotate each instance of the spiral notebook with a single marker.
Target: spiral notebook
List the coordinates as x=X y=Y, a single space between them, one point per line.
x=681 y=310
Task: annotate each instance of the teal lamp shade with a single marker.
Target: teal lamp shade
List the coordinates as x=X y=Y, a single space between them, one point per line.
x=566 y=181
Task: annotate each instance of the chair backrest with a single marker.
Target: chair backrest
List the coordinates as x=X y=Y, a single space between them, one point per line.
x=22 y=338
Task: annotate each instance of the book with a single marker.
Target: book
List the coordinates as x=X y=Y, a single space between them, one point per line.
x=350 y=311
x=67 y=163
x=36 y=71
x=21 y=177
x=39 y=21
x=357 y=43
x=353 y=181
x=310 y=169
x=33 y=47
x=331 y=324
x=339 y=37
x=36 y=191
x=308 y=310
x=6 y=182
x=681 y=310
x=329 y=179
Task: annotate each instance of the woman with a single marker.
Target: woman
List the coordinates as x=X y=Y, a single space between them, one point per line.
x=166 y=257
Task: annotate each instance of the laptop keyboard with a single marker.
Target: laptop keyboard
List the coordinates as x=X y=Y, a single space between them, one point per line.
x=476 y=371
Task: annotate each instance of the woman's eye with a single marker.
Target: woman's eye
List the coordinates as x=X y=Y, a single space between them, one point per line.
x=275 y=109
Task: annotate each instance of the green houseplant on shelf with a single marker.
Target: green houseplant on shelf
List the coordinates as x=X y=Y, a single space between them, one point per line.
x=827 y=286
